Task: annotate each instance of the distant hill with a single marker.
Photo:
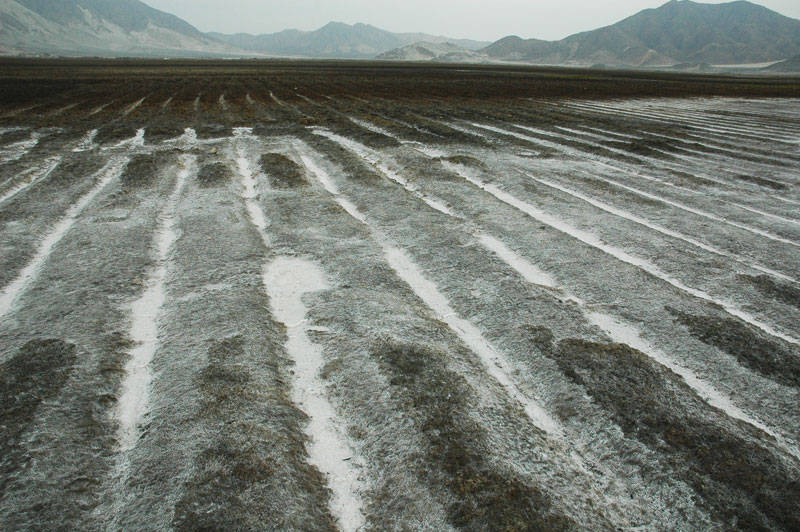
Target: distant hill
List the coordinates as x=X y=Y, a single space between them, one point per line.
x=677 y=32
x=334 y=40
x=790 y=65
x=435 y=52
x=100 y=27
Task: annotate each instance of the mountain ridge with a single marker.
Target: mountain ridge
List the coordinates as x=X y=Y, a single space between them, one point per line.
x=680 y=31
x=335 y=39
x=110 y=28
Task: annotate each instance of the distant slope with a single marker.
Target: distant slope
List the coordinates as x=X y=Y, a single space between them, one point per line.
x=334 y=40
x=435 y=52
x=100 y=27
x=678 y=32
x=790 y=65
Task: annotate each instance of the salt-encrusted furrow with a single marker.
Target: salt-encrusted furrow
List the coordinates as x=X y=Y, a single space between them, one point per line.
x=654 y=226
x=625 y=333
x=494 y=362
x=16 y=151
x=702 y=115
x=11 y=292
x=377 y=162
x=705 y=176
x=136 y=141
x=752 y=135
x=31 y=176
x=689 y=126
x=99 y=108
x=691 y=120
x=133 y=401
x=286 y=280
x=688 y=160
x=717 y=140
x=87 y=142
x=132 y=107
x=569 y=151
x=596 y=242
x=693 y=160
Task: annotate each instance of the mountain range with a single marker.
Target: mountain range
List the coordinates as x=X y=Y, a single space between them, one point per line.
x=679 y=32
x=101 y=27
x=335 y=40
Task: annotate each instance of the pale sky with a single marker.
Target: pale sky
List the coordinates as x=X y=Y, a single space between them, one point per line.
x=486 y=20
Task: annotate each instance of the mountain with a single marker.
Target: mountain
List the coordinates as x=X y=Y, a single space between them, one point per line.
x=334 y=40
x=436 y=52
x=680 y=31
x=790 y=65
x=100 y=27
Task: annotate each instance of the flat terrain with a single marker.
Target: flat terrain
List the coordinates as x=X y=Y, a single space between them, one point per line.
x=350 y=296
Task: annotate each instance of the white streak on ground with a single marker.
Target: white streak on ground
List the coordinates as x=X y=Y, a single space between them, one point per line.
x=279 y=102
x=567 y=150
x=495 y=363
x=418 y=146
x=378 y=163
x=250 y=101
x=133 y=403
x=683 y=121
x=137 y=141
x=12 y=292
x=166 y=103
x=791 y=221
x=627 y=334
x=222 y=103
x=16 y=151
x=596 y=242
x=100 y=108
x=132 y=107
x=249 y=192
x=62 y=109
x=688 y=159
x=655 y=227
x=286 y=281
x=31 y=176
x=87 y=142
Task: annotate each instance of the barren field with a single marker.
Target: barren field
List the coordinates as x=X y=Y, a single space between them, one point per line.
x=317 y=296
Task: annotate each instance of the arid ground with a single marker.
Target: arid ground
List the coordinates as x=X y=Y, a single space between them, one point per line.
x=299 y=296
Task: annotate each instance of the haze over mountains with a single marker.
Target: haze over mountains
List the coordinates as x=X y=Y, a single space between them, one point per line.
x=335 y=40
x=100 y=27
x=677 y=33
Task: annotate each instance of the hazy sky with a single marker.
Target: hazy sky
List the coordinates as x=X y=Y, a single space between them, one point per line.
x=478 y=19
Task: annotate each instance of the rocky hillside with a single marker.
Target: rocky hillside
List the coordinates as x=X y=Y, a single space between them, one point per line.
x=790 y=65
x=677 y=32
x=100 y=27
x=436 y=52
x=335 y=40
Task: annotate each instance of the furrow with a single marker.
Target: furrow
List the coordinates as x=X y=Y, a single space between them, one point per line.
x=675 y=204
x=627 y=334
x=286 y=280
x=593 y=241
x=11 y=292
x=133 y=401
x=656 y=227
x=31 y=176
x=494 y=362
